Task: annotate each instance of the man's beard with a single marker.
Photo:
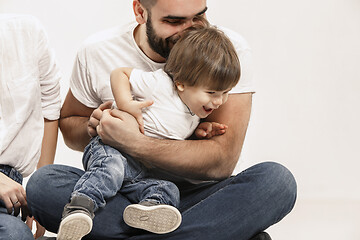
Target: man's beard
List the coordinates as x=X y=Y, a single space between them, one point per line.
x=157 y=44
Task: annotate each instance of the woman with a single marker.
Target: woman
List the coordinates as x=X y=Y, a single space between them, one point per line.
x=29 y=110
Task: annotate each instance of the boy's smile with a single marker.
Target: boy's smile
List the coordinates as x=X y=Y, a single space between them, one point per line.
x=200 y=100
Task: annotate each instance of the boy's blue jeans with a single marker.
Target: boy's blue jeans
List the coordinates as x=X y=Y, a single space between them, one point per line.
x=11 y=227
x=235 y=208
x=108 y=171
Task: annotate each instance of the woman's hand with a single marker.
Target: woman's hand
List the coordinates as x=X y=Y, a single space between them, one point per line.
x=13 y=195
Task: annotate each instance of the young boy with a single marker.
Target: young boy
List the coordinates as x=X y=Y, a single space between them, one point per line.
x=200 y=71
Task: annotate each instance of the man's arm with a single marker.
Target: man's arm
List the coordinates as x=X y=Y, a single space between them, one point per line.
x=73 y=122
x=213 y=158
x=49 y=142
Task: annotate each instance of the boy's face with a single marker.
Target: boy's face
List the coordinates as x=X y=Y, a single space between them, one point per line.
x=167 y=19
x=200 y=100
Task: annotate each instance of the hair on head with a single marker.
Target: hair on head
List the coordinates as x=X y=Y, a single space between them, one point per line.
x=204 y=56
x=148 y=4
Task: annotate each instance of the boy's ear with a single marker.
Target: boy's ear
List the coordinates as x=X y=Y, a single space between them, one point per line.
x=140 y=12
x=180 y=86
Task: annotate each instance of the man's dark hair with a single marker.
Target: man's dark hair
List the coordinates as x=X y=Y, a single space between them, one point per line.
x=148 y=4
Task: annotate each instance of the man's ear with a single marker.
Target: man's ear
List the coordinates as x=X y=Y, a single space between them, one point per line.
x=180 y=86
x=140 y=12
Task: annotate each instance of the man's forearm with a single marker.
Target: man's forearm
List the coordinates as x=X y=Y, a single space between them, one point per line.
x=196 y=159
x=73 y=122
x=213 y=158
x=74 y=131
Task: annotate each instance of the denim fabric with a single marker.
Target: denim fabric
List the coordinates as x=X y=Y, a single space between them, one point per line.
x=11 y=173
x=235 y=208
x=109 y=171
x=11 y=227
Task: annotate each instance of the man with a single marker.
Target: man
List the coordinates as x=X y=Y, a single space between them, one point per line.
x=225 y=207
x=29 y=109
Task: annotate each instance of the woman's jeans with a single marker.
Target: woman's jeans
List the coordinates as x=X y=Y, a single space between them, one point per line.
x=108 y=171
x=236 y=208
x=11 y=227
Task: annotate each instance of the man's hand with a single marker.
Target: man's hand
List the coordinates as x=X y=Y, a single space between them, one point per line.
x=13 y=195
x=121 y=121
x=135 y=109
x=210 y=129
x=95 y=118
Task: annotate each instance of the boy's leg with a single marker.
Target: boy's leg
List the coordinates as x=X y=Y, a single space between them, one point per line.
x=76 y=219
x=153 y=190
x=50 y=188
x=104 y=173
x=102 y=179
x=155 y=205
x=235 y=208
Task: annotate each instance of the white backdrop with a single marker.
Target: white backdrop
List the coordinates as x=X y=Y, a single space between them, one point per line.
x=307 y=71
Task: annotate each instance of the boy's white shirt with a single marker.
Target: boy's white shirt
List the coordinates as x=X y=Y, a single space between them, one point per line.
x=30 y=90
x=116 y=47
x=168 y=117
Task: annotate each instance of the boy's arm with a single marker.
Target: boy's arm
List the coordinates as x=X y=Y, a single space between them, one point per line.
x=120 y=87
x=209 y=130
x=78 y=122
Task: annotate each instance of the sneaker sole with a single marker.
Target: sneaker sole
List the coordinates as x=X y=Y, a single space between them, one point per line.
x=74 y=227
x=158 y=219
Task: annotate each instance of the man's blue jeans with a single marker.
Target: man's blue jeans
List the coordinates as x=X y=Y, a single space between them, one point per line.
x=11 y=227
x=235 y=208
x=108 y=171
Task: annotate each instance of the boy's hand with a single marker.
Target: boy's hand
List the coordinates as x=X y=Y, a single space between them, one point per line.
x=210 y=129
x=135 y=109
x=95 y=118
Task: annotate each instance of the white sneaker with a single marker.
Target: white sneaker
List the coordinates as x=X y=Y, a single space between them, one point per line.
x=76 y=219
x=156 y=218
x=74 y=226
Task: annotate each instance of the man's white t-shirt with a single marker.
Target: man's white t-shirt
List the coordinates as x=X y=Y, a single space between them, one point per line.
x=29 y=90
x=116 y=47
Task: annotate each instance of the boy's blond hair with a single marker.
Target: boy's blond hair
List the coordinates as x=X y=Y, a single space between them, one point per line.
x=204 y=56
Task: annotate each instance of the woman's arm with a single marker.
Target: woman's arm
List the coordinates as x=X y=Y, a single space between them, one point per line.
x=49 y=142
